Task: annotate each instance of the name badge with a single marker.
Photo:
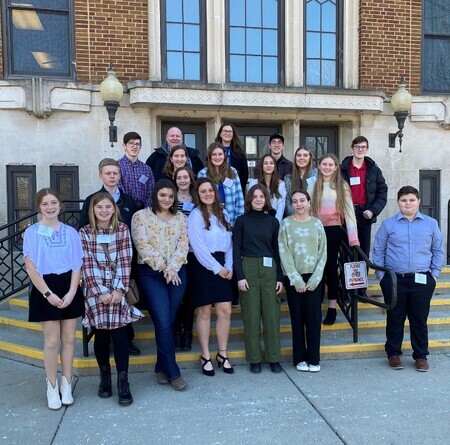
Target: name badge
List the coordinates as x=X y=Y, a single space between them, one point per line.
x=228 y=183
x=267 y=262
x=420 y=278
x=143 y=179
x=188 y=206
x=103 y=239
x=355 y=180
x=45 y=231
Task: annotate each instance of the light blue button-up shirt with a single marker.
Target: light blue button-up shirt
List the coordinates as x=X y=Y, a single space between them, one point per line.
x=406 y=246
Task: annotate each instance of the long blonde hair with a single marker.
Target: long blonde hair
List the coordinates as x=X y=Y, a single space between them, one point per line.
x=224 y=170
x=100 y=196
x=336 y=183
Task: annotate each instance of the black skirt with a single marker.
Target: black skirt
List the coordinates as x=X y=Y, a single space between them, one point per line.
x=41 y=310
x=206 y=287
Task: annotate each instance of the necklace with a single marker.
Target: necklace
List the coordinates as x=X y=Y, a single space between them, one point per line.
x=184 y=198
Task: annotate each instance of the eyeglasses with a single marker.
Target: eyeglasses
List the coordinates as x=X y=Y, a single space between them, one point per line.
x=134 y=144
x=227 y=131
x=360 y=147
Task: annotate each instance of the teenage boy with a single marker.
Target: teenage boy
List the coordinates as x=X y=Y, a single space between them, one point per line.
x=276 y=147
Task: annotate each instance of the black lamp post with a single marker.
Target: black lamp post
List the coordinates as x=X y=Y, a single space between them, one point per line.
x=111 y=91
x=401 y=103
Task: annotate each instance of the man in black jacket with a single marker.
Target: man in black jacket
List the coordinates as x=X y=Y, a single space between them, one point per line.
x=158 y=158
x=368 y=187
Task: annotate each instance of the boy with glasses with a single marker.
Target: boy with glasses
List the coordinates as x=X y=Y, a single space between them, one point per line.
x=368 y=187
x=276 y=147
x=136 y=178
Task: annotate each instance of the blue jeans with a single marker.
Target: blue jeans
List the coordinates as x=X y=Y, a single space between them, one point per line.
x=162 y=302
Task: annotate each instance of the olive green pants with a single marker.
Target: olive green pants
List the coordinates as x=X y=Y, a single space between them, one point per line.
x=260 y=302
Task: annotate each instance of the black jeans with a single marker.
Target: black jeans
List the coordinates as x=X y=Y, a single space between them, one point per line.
x=413 y=300
x=306 y=318
x=364 y=230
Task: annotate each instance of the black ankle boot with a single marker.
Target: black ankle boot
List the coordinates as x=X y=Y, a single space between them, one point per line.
x=187 y=340
x=105 y=389
x=123 y=388
x=330 y=318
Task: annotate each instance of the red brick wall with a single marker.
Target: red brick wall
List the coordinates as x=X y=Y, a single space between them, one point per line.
x=111 y=31
x=390 y=44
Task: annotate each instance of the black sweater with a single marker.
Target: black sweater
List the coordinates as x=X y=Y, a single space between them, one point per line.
x=255 y=235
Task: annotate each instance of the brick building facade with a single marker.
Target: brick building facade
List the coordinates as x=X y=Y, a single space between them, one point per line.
x=320 y=71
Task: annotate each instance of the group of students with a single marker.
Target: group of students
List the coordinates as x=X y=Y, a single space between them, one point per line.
x=197 y=243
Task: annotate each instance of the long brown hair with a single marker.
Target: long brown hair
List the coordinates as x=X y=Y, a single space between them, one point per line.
x=225 y=170
x=299 y=181
x=336 y=183
x=272 y=186
x=236 y=144
x=217 y=207
x=114 y=222
x=168 y=166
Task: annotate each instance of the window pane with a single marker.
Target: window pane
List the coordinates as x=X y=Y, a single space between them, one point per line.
x=253 y=11
x=436 y=17
x=175 y=66
x=174 y=10
x=191 y=66
x=313 y=72
x=270 y=70
x=237 y=13
x=191 y=38
x=42 y=4
x=191 y=11
x=253 y=41
x=313 y=45
x=237 y=41
x=329 y=46
x=237 y=68
x=329 y=17
x=270 y=47
x=313 y=16
x=254 y=69
x=328 y=73
x=270 y=14
x=436 y=69
x=174 y=37
x=42 y=46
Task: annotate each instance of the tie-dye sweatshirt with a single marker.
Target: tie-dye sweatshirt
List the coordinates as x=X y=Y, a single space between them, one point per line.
x=330 y=216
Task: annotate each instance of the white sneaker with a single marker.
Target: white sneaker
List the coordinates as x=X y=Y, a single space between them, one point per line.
x=303 y=366
x=314 y=368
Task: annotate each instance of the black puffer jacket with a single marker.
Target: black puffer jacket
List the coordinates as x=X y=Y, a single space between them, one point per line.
x=376 y=187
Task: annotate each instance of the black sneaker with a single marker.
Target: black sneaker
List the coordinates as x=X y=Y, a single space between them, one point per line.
x=255 y=368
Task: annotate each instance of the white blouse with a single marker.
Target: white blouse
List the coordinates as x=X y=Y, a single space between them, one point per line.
x=205 y=242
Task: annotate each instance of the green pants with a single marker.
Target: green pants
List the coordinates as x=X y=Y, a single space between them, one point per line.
x=260 y=302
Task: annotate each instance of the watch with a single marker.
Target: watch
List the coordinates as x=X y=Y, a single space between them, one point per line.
x=47 y=294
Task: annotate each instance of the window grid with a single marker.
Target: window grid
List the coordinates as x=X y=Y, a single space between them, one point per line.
x=436 y=46
x=39 y=38
x=322 y=46
x=267 y=65
x=183 y=63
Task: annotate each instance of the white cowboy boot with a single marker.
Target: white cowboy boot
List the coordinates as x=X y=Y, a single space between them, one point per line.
x=53 y=400
x=65 y=389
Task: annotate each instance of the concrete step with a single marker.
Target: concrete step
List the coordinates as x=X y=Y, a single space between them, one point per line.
x=23 y=341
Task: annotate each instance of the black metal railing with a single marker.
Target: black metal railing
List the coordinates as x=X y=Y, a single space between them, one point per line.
x=348 y=299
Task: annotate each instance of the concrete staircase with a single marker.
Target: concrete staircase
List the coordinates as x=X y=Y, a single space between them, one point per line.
x=23 y=341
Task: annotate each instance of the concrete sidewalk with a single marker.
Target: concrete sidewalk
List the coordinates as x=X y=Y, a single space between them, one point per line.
x=348 y=402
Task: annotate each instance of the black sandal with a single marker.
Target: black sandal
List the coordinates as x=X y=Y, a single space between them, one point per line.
x=203 y=362
x=229 y=370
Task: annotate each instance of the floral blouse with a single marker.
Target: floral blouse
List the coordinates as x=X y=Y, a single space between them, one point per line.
x=160 y=244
